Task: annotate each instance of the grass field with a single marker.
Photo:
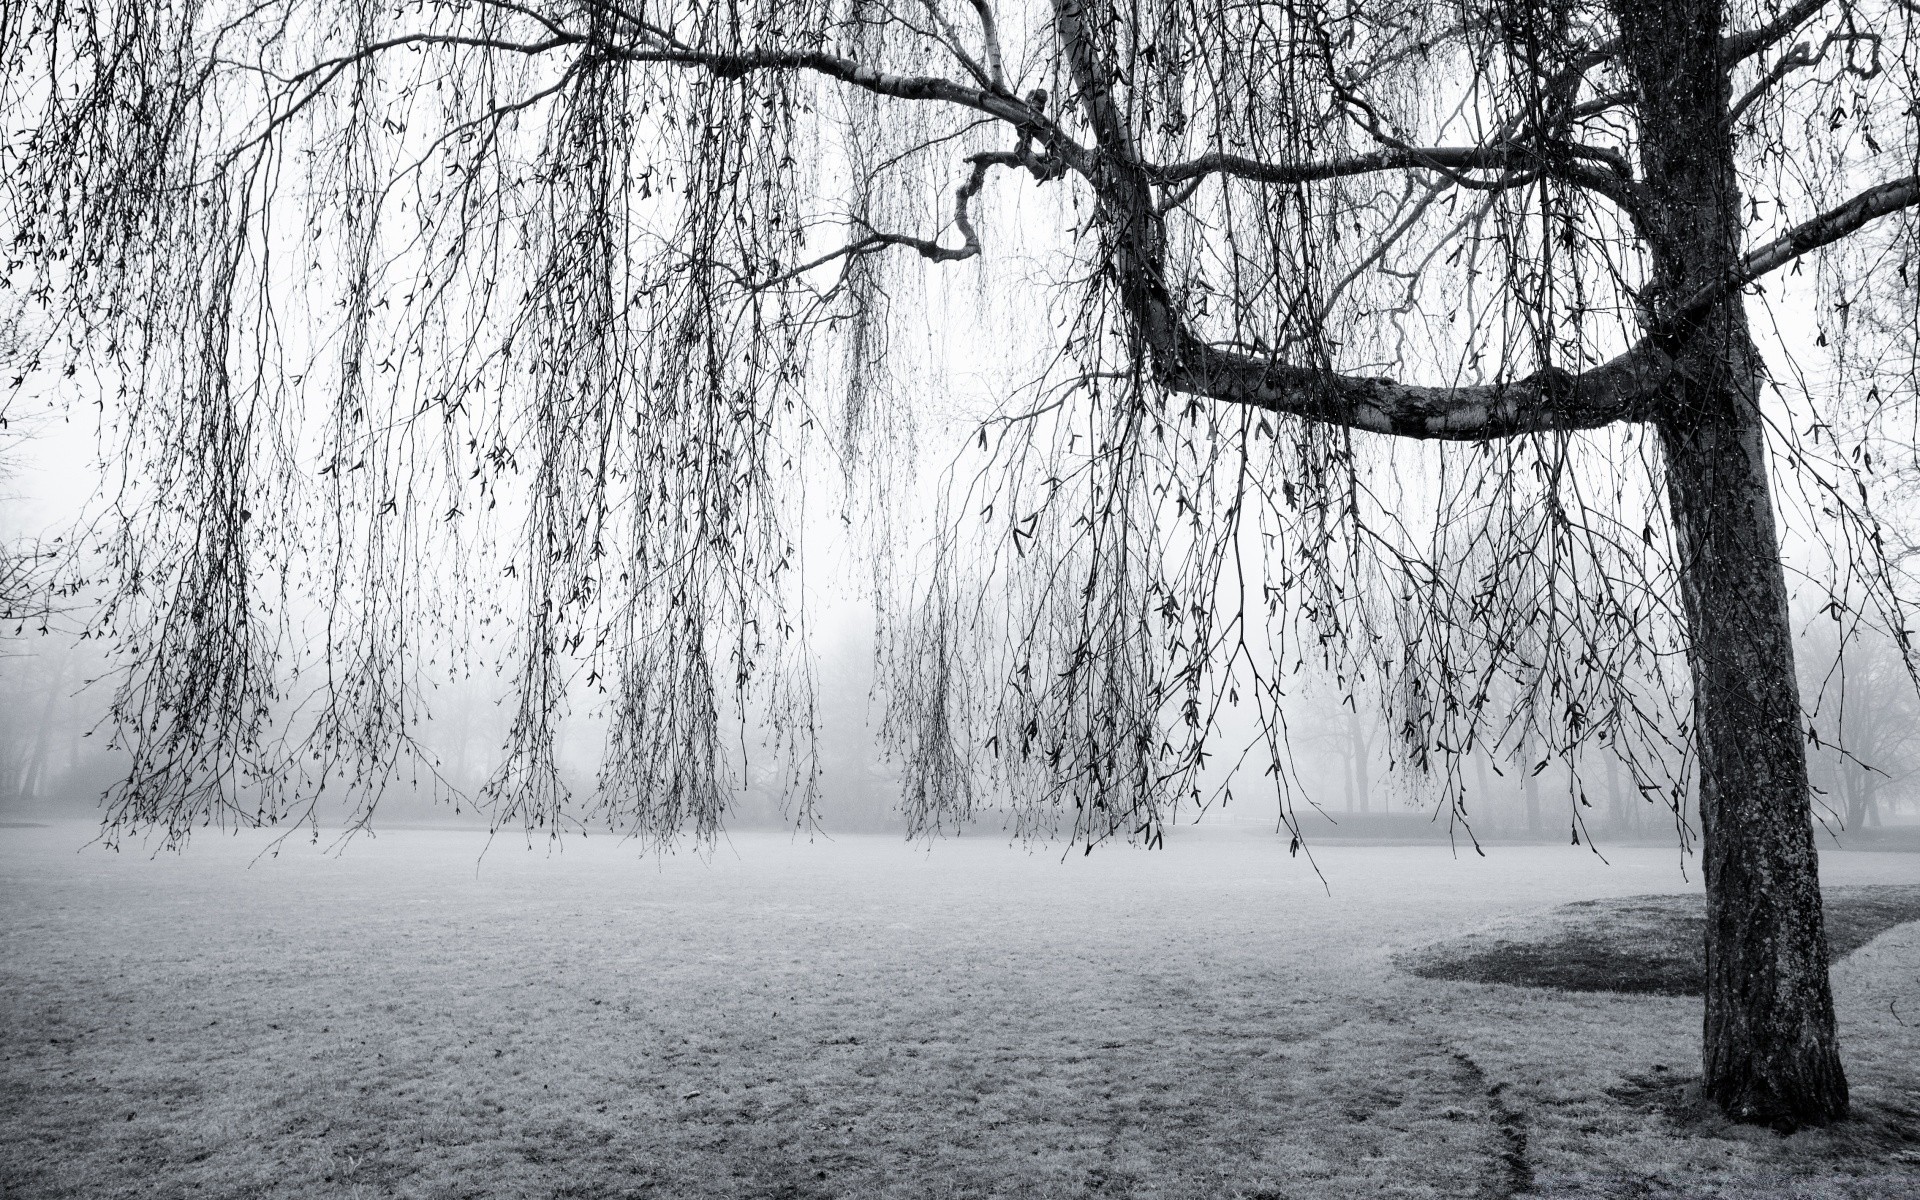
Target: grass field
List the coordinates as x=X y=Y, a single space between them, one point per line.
x=862 y=1018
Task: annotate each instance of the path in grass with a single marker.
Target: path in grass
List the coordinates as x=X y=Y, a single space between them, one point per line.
x=845 y=1019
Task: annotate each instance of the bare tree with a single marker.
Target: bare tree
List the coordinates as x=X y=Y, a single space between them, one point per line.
x=1864 y=722
x=357 y=274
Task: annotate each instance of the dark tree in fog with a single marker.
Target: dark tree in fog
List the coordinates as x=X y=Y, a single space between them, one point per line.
x=1864 y=727
x=379 y=293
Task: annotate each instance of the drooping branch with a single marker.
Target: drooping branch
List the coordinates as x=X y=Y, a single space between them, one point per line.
x=306 y=87
x=1799 y=58
x=732 y=65
x=660 y=47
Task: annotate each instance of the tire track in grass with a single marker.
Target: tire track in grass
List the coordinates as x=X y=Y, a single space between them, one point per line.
x=1511 y=1127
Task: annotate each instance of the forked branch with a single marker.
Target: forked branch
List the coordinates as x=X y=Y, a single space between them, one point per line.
x=1802 y=56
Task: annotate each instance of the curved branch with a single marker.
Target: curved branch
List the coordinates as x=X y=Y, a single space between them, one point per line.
x=990 y=39
x=1793 y=60
x=928 y=248
x=1626 y=388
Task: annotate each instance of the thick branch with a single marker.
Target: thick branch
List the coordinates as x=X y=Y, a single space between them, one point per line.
x=990 y=40
x=1738 y=47
x=1624 y=389
x=1553 y=160
x=1801 y=240
x=1448 y=158
x=1096 y=91
x=883 y=83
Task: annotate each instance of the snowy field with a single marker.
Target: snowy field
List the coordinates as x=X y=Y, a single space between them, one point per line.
x=863 y=1018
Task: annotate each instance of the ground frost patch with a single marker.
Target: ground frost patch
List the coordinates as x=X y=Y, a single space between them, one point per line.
x=851 y=1018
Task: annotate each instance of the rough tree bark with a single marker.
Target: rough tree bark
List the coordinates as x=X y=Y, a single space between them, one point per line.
x=1770 y=1053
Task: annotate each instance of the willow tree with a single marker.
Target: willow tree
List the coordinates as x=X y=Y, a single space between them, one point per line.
x=372 y=295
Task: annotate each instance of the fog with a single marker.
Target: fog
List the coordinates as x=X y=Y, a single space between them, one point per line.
x=57 y=758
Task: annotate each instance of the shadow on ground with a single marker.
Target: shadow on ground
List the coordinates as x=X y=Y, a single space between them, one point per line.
x=1651 y=945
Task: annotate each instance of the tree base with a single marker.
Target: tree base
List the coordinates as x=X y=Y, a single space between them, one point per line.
x=1809 y=1100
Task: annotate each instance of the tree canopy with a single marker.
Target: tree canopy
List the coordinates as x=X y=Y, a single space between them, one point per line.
x=351 y=270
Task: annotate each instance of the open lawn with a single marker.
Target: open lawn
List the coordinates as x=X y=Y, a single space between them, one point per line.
x=863 y=1018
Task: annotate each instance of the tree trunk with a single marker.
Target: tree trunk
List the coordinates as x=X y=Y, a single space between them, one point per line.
x=1530 y=785
x=1346 y=768
x=1485 y=798
x=1842 y=786
x=1850 y=795
x=1617 y=805
x=1359 y=750
x=1770 y=1055
x=32 y=785
x=1868 y=794
x=1770 y=1051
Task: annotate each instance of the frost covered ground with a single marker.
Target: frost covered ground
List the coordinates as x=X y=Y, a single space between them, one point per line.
x=863 y=1018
